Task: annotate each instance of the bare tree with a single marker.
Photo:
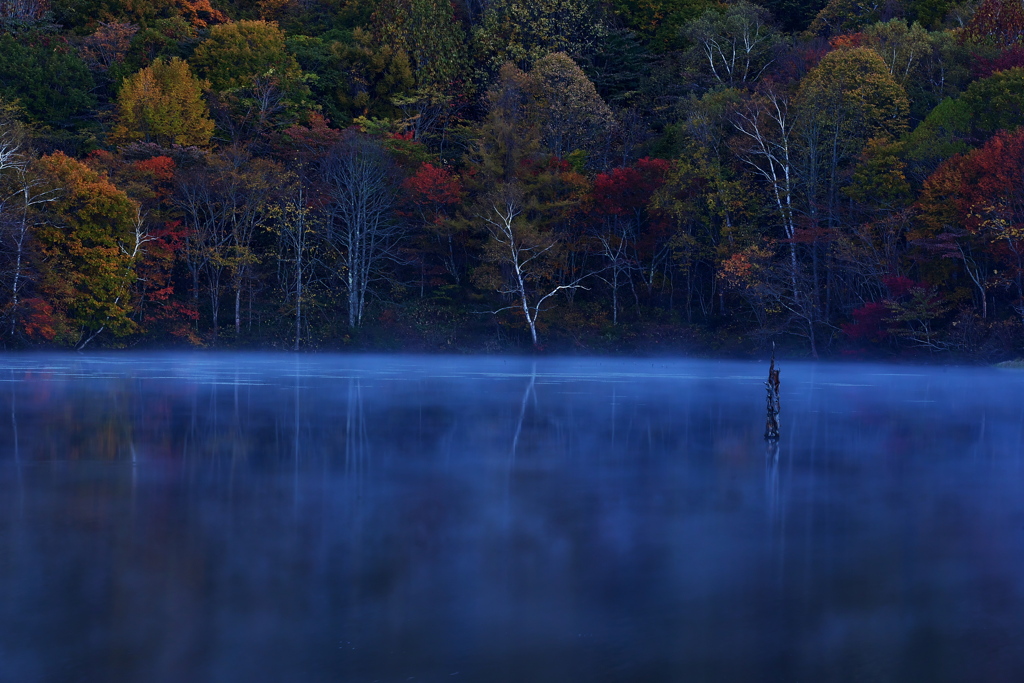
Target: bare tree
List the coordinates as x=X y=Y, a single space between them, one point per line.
x=23 y=10
x=362 y=227
x=296 y=226
x=615 y=242
x=524 y=254
x=207 y=237
x=766 y=128
x=224 y=203
x=250 y=192
x=19 y=193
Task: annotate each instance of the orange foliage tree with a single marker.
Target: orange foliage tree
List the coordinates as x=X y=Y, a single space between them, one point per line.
x=88 y=240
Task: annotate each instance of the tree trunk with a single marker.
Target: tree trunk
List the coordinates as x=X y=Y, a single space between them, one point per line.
x=298 y=300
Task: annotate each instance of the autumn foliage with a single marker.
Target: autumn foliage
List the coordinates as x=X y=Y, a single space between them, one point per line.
x=628 y=189
x=163 y=103
x=85 y=245
x=839 y=177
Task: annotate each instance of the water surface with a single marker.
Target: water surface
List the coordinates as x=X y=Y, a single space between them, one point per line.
x=189 y=517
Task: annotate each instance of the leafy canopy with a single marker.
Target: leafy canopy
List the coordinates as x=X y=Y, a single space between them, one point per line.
x=163 y=103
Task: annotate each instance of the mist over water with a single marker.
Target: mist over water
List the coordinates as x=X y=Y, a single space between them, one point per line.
x=191 y=517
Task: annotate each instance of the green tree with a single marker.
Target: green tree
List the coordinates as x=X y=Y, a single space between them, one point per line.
x=619 y=67
x=523 y=31
x=354 y=75
x=853 y=92
x=995 y=102
x=709 y=205
x=430 y=34
x=434 y=41
x=901 y=47
x=943 y=133
x=236 y=54
x=879 y=182
x=171 y=37
x=933 y=14
x=845 y=16
x=511 y=131
x=46 y=78
x=659 y=20
x=572 y=115
x=257 y=83
x=930 y=66
x=163 y=103
x=554 y=108
x=320 y=57
x=794 y=15
x=957 y=124
x=848 y=99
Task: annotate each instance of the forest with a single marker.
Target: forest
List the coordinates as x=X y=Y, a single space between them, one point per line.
x=594 y=176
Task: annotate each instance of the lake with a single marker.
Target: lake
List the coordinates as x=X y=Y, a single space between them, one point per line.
x=203 y=517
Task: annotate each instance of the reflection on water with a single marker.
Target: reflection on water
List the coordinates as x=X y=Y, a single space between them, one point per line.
x=277 y=518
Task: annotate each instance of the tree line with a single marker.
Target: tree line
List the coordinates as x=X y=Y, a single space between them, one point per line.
x=842 y=178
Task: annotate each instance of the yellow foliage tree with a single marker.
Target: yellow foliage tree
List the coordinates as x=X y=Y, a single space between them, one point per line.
x=163 y=103
x=237 y=54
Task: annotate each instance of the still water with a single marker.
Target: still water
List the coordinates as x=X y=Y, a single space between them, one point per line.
x=222 y=518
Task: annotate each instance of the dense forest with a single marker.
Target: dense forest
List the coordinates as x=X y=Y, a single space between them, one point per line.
x=843 y=179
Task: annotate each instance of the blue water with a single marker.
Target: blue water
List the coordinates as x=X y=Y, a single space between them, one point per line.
x=191 y=518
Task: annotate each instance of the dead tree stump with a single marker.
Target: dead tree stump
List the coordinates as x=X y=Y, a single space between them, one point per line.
x=771 y=426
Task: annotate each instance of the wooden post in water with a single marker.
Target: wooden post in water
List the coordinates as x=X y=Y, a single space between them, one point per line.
x=771 y=426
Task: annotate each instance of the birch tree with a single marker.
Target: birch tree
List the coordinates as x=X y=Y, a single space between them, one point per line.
x=765 y=126
x=296 y=225
x=20 y=192
x=362 y=228
x=523 y=256
x=734 y=45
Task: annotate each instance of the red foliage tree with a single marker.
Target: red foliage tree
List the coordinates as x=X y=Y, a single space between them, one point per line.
x=905 y=313
x=997 y=21
x=432 y=193
x=433 y=186
x=991 y=204
x=158 y=310
x=973 y=208
x=628 y=237
x=628 y=190
x=304 y=144
x=1012 y=58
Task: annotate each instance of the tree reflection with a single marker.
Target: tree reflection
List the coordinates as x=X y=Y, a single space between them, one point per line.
x=527 y=393
x=356 y=439
x=16 y=442
x=525 y=519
